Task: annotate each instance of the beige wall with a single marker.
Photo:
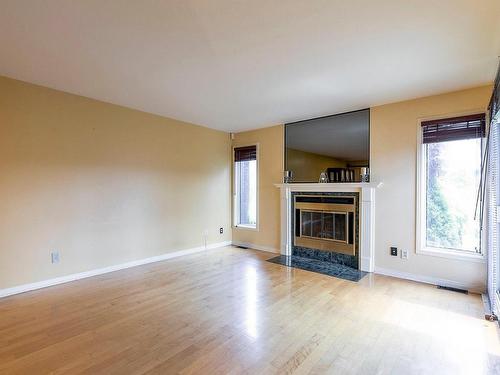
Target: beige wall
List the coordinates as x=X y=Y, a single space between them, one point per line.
x=393 y=162
x=270 y=141
x=105 y=185
x=102 y=184
x=307 y=166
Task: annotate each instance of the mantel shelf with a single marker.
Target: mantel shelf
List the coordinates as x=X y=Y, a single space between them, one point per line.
x=330 y=185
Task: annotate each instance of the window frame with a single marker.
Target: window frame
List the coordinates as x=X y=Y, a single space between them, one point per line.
x=421 y=201
x=235 y=191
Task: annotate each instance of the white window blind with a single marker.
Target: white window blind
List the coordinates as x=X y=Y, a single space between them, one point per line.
x=493 y=197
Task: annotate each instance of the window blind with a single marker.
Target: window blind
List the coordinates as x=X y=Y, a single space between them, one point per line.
x=247 y=153
x=454 y=129
x=493 y=188
x=493 y=173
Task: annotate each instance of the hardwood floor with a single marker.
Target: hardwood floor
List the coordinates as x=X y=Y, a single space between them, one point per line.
x=229 y=311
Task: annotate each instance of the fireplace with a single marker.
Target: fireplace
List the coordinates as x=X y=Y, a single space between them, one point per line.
x=362 y=197
x=326 y=222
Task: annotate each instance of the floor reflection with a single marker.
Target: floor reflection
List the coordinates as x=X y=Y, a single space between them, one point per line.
x=251 y=301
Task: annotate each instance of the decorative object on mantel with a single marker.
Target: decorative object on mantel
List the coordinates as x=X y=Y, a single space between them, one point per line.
x=365 y=174
x=323 y=178
x=287 y=177
x=340 y=174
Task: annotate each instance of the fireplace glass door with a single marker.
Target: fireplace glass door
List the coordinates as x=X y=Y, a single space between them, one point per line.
x=324 y=225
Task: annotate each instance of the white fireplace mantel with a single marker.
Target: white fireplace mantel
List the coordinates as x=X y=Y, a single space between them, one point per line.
x=366 y=192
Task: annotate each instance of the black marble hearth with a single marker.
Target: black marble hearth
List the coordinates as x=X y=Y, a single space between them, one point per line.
x=324 y=267
x=326 y=256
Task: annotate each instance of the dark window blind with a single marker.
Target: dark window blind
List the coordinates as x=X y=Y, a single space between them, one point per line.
x=245 y=153
x=454 y=129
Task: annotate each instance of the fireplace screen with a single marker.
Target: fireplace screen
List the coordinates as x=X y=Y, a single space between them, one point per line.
x=321 y=224
x=326 y=223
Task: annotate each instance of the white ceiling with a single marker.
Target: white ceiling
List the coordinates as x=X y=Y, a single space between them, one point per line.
x=236 y=65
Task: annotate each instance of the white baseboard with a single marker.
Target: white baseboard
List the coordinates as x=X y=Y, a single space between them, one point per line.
x=428 y=279
x=256 y=247
x=82 y=275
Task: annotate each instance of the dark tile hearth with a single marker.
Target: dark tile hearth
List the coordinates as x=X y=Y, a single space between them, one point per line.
x=315 y=265
x=326 y=256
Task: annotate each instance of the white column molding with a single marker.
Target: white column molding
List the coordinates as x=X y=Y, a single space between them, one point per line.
x=367 y=230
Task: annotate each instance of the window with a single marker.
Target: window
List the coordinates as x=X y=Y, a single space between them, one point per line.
x=449 y=181
x=245 y=187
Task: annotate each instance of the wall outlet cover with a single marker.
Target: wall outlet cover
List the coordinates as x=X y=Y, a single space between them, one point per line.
x=54 y=257
x=221 y=230
x=394 y=251
x=404 y=254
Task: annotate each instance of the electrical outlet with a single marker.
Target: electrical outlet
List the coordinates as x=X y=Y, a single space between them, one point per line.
x=404 y=254
x=394 y=251
x=221 y=230
x=54 y=257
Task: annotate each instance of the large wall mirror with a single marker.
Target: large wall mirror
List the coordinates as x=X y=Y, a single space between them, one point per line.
x=337 y=145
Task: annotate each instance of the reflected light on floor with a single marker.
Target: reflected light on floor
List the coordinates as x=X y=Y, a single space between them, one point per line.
x=432 y=322
x=251 y=301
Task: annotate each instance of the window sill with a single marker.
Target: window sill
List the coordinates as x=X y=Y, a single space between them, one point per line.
x=453 y=254
x=246 y=227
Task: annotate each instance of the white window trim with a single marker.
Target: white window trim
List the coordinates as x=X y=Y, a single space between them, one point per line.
x=255 y=227
x=421 y=247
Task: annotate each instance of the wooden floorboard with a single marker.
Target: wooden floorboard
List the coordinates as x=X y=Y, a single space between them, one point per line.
x=228 y=311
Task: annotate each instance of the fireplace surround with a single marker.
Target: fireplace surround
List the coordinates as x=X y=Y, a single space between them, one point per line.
x=361 y=255
x=325 y=226
x=325 y=222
